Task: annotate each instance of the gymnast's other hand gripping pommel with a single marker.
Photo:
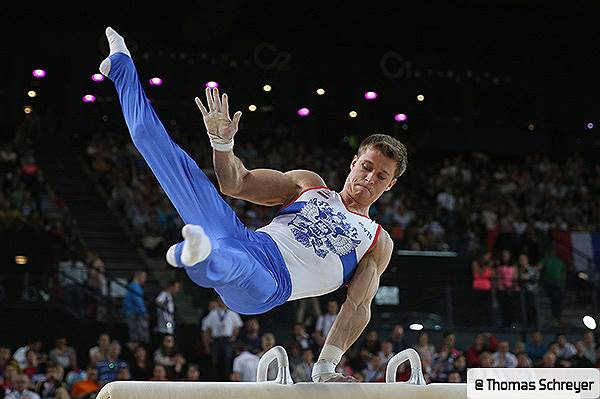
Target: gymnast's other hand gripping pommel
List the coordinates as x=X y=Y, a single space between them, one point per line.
x=219 y=126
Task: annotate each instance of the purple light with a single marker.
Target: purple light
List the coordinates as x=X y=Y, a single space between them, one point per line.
x=97 y=77
x=589 y=125
x=156 y=81
x=89 y=98
x=212 y=84
x=304 y=112
x=39 y=73
x=400 y=117
x=370 y=95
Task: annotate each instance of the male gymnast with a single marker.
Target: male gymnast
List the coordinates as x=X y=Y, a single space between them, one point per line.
x=318 y=241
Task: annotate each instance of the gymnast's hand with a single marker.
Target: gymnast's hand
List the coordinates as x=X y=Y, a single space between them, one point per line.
x=216 y=119
x=333 y=377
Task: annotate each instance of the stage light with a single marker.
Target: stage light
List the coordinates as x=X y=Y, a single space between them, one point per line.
x=27 y=109
x=420 y=97
x=531 y=127
x=304 y=112
x=31 y=93
x=21 y=260
x=156 y=81
x=97 y=77
x=38 y=73
x=267 y=88
x=590 y=125
x=251 y=107
x=320 y=91
x=212 y=84
x=589 y=322
x=400 y=117
x=353 y=114
x=416 y=327
x=370 y=95
x=89 y=98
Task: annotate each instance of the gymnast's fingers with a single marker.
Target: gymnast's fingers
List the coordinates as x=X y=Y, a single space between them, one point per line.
x=201 y=106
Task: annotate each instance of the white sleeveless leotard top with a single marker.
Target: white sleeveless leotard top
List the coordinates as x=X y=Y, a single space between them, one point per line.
x=321 y=241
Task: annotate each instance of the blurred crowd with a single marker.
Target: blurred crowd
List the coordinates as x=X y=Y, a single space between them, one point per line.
x=25 y=196
x=230 y=350
x=469 y=203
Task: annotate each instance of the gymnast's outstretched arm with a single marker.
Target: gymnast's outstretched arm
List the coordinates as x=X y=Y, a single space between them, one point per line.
x=260 y=186
x=355 y=313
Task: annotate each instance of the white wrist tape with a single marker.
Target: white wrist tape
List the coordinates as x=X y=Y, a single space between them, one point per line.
x=331 y=353
x=220 y=144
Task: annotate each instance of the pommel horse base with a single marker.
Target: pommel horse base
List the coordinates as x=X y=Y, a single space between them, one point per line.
x=284 y=387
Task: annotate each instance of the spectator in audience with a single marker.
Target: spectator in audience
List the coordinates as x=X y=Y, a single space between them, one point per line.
x=20 y=354
x=566 y=349
x=159 y=373
x=535 y=349
x=482 y=342
x=11 y=372
x=245 y=364
x=503 y=357
x=507 y=277
x=442 y=364
x=21 y=389
x=5 y=360
x=450 y=341
x=52 y=386
x=371 y=343
x=523 y=361
x=96 y=283
x=530 y=277
x=192 y=373
x=386 y=352
x=485 y=360
x=220 y=329
x=308 y=311
x=425 y=351
x=455 y=377
x=123 y=373
x=32 y=367
x=165 y=308
x=589 y=347
x=251 y=335
x=302 y=337
x=580 y=360
x=548 y=360
x=134 y=309
x=108 y=368
x=483 y=273
x=303 y=371
x=553 y=278
x=100 y=352
x=63 y=355
x=397 y=339
x=375 y=371
x=84 y=388
x=141 y=368
x=460 y=366
x=325 y=321
x=168 y=356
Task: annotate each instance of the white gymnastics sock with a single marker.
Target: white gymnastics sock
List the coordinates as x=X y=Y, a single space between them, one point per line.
x=196 y=245
x=116 y=43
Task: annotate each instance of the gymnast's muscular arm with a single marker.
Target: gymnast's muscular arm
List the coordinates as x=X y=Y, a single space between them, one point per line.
x=260 y=186
x=356 y=310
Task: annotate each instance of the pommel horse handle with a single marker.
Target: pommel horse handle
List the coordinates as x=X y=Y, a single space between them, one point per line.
x=283 y=366
x=416 y=373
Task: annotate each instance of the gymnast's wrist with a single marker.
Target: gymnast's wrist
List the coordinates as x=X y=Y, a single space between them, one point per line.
x=331 y=354
x=220 y=144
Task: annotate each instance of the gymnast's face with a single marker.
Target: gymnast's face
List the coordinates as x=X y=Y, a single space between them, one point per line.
x=371 y=174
